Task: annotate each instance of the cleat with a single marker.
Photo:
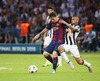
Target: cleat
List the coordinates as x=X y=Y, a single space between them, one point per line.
x=59 y=65
x=90 y=69
x=71 y=65
x=46 y=64
x=53 y=71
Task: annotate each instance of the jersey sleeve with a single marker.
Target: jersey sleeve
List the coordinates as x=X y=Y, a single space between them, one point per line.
x=78 y=28
x=49 y=26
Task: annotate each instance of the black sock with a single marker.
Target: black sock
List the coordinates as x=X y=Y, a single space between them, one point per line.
x=55 y=61
x=49 y=58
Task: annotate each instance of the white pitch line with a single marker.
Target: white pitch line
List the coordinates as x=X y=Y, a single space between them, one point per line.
x=4 y=68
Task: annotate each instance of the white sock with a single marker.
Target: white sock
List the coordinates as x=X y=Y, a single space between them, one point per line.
x=63 y=54
x=86 y=63
x=59 y=59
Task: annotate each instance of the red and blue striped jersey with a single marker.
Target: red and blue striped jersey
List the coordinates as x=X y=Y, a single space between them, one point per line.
x=58 y=31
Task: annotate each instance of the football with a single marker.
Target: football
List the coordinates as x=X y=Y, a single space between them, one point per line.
x=33 y=69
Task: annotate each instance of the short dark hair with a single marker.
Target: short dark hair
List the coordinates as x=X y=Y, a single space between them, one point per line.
x=53 y=14
x=50 y=7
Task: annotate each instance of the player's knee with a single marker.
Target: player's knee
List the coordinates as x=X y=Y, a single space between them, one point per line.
x=60 y=49
x=45 y=54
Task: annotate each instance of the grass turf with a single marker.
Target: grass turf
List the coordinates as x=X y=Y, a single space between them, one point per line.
x=14 y=67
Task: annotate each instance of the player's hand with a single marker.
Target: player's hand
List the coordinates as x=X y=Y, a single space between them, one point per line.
x=44 y=38
x=70 y=34
x=36 y=37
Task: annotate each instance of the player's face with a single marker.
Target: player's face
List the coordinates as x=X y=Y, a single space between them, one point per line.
x=74 y=20
x=50 y=11
x=54 y=19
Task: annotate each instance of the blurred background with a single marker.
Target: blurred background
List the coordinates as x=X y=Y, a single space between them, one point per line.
x=21 y=20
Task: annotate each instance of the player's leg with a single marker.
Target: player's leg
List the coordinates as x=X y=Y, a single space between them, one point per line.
x=47 y=56
x=84 y=62
x=80 y=61
x=61 y=50
x=59 y=59
x=47 y=62
x=46 y=43
x=55 y=61
x=48 y=51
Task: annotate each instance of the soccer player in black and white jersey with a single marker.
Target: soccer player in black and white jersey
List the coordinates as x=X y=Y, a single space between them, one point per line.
x=48 y=37
x=71 y=45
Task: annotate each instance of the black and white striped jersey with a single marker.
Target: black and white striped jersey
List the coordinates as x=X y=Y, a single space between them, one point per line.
x=50 y=32
x=71 y=39
x=47 y=20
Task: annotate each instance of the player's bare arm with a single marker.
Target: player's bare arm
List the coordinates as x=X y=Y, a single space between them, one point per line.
x=69 y=26
x=69 y=32
x=44 y=36
x=39 y=34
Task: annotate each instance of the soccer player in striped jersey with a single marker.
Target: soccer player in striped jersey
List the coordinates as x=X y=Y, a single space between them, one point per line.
x=58 y=39
x=71 y=45
x=48 y=37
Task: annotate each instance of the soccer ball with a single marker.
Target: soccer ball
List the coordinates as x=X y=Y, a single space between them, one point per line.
x=33 y=69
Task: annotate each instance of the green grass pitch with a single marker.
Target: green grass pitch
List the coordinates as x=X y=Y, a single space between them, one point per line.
x=14 y=67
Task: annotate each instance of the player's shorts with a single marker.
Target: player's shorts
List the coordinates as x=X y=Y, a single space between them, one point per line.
x=47 y=41
x=73 y=49
x=52 y=47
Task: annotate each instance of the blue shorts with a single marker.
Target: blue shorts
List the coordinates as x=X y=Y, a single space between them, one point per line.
x=52 y=47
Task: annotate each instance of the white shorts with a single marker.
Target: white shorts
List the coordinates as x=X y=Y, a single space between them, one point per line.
x=73 y=49
x=47 y=40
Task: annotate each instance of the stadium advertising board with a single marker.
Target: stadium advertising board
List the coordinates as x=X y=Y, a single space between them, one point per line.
x=20 y=48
